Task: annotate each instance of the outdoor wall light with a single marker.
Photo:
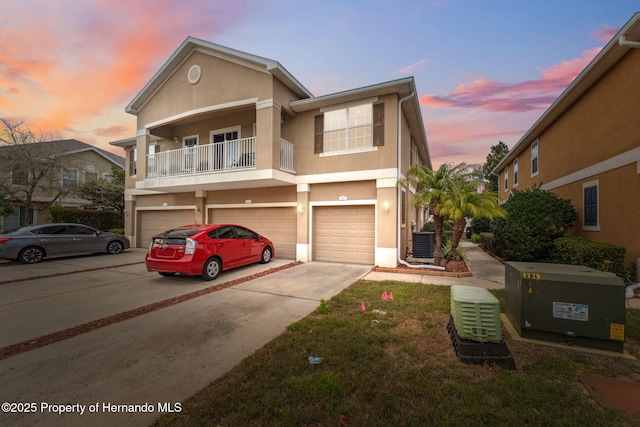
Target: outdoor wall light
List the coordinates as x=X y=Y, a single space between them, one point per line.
x=300 y=208
x=385 y=206
x=197 y=211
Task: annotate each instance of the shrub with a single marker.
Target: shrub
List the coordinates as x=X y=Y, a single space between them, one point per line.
x=486 y=241
x=597 y=255
x=102 y=220
x=459 y=255
x=535 y=218
x=475 y=238
x=480 y=225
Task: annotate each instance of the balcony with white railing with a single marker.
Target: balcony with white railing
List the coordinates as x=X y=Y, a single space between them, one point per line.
x=193 y=166
x=286 y=156
x=219 y=157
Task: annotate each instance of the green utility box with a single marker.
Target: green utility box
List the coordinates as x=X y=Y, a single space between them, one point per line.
x=476 y=314
x=566 y=303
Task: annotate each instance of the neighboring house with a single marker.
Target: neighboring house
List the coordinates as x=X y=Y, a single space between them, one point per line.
x=226 y=136
x=75 y=162
x=586 y=146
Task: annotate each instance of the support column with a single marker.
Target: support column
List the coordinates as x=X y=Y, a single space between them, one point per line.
x=268 y=134
x=303 y=248
x=201 y=207
x=129 y=217
x=142 y=145
x=386 y=254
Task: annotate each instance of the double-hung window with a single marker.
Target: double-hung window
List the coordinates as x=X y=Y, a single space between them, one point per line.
x=534 y=158
x=350 y=129
x=69 y=178
x=515 y=172
x=506 y=178
x=133 y=160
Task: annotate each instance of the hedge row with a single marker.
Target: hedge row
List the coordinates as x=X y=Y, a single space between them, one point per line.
x=597 y=255
x=102 y=220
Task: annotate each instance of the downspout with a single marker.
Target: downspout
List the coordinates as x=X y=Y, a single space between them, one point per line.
x=399 y=201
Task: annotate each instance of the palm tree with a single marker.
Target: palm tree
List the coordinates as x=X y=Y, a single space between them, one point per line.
x=463 y=201
x=432 y=189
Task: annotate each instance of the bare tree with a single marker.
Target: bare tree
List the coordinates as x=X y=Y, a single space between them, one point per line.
x=33 y=165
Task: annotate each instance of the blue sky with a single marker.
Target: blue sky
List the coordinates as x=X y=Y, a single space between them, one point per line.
x=484 y=70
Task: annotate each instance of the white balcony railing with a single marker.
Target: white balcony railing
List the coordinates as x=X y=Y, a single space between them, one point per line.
x=286 y=156
x=217 y=157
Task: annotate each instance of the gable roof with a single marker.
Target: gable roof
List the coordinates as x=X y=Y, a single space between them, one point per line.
x=626 y=39
x=71 y=146
x=192 y=44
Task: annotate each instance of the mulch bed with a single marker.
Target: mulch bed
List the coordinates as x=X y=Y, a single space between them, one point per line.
x=453 y=269
x=32 y=344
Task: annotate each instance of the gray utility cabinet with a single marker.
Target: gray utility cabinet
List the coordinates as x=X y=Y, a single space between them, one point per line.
x=566 y=303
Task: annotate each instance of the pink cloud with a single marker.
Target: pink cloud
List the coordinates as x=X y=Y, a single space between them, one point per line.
x=65 y=71
x=605 y=33
x=111 y=131
x=491 y=95
x=413 y=67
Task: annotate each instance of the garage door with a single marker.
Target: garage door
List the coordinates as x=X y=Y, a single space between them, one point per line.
x=344 y=234
x=155 y=222
x=278 y=224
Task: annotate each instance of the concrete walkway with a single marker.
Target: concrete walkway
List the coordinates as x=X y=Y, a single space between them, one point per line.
x=487 y=271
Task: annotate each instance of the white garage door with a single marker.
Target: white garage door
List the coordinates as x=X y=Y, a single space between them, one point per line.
x=155 y=222
x=344 y=234
x=277 y=224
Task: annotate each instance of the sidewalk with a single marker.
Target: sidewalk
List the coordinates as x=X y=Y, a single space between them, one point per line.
x=487 y=271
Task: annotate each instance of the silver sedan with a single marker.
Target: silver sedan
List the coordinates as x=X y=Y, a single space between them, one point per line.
x=33 y=243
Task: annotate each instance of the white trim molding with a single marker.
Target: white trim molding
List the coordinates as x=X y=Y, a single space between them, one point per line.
x=168 y=120
x=610 y=164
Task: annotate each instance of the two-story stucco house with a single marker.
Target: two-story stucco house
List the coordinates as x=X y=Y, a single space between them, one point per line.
x=69 y=163
x=586 y=146
x=225 y=136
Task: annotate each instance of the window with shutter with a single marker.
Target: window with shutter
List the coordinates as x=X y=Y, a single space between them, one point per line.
x=590 y=208
x=351 y=129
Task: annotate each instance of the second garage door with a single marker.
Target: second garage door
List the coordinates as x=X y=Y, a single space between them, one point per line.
x=155 y=222
x=278 y=224
x=344 y=234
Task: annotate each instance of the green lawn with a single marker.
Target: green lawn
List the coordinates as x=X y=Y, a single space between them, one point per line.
x=400 y=369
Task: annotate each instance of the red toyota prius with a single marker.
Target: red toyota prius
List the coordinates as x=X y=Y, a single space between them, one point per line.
x=206 y=250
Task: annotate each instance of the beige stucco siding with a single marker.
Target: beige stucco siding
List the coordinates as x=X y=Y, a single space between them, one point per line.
x=221 y=82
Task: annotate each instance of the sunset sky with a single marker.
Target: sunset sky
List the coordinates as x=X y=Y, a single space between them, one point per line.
x=485 y=70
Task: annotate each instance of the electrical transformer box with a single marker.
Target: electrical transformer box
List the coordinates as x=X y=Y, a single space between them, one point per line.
x=566 y=303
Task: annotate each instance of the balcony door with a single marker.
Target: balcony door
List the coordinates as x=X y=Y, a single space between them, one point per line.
x=190 y=153
x=225 y=150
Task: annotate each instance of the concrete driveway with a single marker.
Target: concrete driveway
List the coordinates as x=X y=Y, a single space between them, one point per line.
x=154 y=360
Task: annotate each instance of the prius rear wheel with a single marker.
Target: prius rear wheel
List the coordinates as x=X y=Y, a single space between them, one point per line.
x=211 y=269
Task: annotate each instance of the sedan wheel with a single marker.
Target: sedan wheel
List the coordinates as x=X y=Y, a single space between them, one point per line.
x=266 y=256
x=211 y=269
x=115 y=247
x=31 y=255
